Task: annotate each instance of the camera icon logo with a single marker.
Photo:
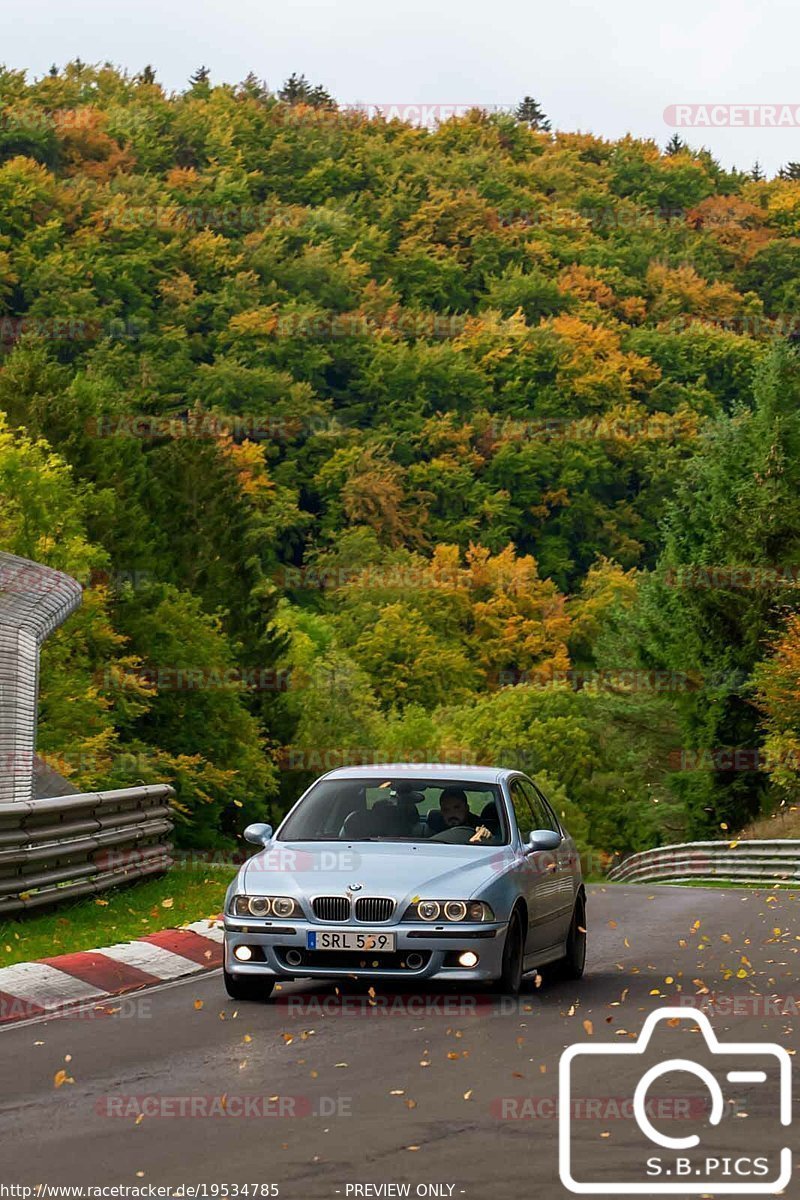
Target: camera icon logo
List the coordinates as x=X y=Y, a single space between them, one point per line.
x=656 y=1154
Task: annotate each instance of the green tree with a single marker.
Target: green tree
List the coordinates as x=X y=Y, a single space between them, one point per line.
x=721 y=585
x=297 y=90
x=197 y=709
x=530 y=112
x=200 y=81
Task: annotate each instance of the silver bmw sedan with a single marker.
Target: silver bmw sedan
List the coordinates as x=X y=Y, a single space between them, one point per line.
x=403 y=872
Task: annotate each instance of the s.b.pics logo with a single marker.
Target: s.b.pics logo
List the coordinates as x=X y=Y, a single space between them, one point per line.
x=739 y=1094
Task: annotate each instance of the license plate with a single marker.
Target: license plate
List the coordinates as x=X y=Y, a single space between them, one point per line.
x=349 y=939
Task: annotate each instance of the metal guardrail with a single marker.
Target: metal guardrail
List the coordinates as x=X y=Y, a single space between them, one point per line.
x=746 y=861
x=72 y=846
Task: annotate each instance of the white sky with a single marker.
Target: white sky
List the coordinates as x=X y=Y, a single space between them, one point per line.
x=610 y=67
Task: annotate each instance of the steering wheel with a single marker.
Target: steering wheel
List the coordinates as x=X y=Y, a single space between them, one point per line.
x=457 y=835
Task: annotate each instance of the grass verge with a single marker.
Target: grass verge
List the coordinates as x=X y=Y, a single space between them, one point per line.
x=184 y=894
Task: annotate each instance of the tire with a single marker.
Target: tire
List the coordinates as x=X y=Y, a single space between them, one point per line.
x=247 y=987
x=573 y=964
x=510 y=981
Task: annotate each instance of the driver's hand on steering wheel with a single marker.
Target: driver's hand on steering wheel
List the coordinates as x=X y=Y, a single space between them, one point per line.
x=481 y=834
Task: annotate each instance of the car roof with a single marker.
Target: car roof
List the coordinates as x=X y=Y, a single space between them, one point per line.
x=424 y=770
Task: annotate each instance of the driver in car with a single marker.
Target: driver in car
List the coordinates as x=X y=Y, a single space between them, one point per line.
x=454 y=807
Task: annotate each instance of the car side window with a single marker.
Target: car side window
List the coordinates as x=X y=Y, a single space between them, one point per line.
x=526 y=820
x=543 y=814
x=548 y=808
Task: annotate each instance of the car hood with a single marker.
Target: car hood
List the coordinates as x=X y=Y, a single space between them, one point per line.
x=438 y=871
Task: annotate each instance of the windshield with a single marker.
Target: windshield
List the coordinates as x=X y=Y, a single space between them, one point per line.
x=450 y=811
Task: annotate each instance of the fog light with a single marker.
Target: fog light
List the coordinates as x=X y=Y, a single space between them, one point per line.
x=468 y=959
x=243 y=953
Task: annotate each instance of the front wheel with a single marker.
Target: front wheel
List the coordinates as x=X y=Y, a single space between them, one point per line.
x=246 y=987
x=510 y=981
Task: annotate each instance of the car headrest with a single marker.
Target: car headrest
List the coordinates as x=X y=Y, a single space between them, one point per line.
x=435 y=820
x=489 y=816
x=414 y=798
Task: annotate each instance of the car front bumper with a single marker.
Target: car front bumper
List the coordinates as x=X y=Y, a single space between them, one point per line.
x=271 y=942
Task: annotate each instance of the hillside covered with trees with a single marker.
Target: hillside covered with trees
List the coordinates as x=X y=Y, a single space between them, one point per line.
x=371 y=442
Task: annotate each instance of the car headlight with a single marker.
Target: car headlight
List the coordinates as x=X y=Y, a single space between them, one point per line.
x=262 y=906
x=452 y=911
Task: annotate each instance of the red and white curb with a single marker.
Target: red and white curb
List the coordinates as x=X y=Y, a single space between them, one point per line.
x=54 y=986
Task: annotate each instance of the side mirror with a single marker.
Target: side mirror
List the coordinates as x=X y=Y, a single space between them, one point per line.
x=542 y=839
x=259 y=834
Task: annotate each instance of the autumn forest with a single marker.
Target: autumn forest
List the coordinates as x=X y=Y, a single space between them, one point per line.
x=370 y=441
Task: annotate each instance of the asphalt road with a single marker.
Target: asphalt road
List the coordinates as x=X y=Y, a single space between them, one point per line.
x=421 y=1089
